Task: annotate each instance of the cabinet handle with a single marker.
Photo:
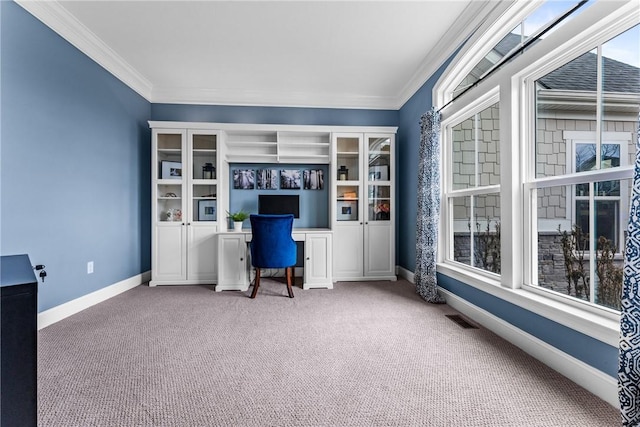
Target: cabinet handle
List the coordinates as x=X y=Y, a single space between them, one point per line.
x=308 y=258
x=241 y=259
x=183 y=223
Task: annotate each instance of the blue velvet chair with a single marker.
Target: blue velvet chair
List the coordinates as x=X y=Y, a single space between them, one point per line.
x=272 y=246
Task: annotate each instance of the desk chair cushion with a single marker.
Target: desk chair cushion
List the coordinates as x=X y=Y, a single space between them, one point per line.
x=271 y=244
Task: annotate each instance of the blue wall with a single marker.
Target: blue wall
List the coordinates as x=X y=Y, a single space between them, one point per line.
x=273 y=115
x=75 y=163
x=314 y=204
x=407 y=167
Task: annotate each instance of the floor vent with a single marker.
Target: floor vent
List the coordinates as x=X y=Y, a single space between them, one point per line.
x=461 y=321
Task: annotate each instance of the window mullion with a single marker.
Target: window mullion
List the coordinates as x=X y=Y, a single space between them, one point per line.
x=472 y=236
x=592 y=241
x=599 y=107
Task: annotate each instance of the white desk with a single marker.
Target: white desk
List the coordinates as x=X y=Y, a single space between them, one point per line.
x=234 y=265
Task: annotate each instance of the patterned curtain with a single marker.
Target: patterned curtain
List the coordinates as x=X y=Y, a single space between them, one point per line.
x=428 y=207
x=629 y=367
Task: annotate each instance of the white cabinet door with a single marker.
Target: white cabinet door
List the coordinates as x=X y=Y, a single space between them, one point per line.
x=348 y=251
x=379 y=250
x=232 y=267
x=202 y=253
x=170 y=261
x=317 y=265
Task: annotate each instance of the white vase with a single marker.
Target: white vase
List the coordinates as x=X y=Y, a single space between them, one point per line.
x=237 y=225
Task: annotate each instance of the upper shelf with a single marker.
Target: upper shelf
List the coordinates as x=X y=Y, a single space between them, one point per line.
x=278 y=147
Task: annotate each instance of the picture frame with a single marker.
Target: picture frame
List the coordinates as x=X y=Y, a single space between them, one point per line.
x=244 y=179
x=290 y=179
x=207 y=210
x=313 y=179
x=347 y=210
x=379 y=173
x=170 y=170
x=267 y=179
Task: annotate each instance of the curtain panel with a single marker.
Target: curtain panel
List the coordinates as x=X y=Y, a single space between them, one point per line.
x=428 y=207
x=629 y=353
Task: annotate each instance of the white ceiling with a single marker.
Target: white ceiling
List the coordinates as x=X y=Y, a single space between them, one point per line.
x=348 y=54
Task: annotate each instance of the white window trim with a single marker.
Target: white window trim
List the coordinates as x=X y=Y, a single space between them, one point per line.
x=507 y=14
x=601 y=21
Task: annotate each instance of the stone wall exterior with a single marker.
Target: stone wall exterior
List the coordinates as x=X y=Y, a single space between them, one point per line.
x=551 y=270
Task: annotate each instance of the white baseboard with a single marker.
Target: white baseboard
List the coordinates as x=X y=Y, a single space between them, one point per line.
x=62 y=311
x=597 y=382
x=405 y=274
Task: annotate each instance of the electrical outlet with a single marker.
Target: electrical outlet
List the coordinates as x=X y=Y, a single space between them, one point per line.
x=90 y=267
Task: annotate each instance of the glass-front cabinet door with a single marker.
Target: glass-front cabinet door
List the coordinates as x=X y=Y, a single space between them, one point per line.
x=204 y=177
x=378 y=178
x=169 y=191
x=347 y=176
x=168 y=263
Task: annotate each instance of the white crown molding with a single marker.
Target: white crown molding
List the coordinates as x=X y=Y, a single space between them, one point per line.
x=473 y=16
x=270 y=98
x=56 y=17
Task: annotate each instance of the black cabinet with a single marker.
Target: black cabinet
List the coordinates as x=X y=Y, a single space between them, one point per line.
x=18 y=339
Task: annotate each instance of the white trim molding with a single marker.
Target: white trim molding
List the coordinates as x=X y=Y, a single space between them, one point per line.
x=595 y=381
x=62 y=311
x=472 y=18
x=55 y=16
x=592 y=379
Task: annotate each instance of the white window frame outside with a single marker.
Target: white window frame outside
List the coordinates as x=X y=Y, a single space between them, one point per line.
x=623 y=139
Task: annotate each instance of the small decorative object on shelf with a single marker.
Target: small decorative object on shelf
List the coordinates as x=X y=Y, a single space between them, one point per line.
x=208 y=171
x=173 y=215
x=382 y=211
x=343 y=173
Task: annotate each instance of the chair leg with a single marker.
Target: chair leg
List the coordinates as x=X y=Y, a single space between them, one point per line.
x=289 y=274
x=256 y=283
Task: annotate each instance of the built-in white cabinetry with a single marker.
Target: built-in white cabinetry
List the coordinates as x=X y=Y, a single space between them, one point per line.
x=190 y=196
x=318 y=260
x=233 y=262
x=184 y=206
x=363 y=203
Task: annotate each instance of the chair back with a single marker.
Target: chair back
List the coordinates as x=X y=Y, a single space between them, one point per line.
x=271 y=243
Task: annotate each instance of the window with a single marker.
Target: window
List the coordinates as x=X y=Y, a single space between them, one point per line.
x=568 y=110
x=474 y=186
x=587 y=111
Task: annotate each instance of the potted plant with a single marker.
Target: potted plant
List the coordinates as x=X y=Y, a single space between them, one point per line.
x=237 y=218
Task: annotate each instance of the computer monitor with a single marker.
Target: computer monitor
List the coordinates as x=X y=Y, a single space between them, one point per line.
x=278 y=204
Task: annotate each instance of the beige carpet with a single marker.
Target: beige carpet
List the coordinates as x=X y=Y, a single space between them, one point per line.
x=362 y=354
